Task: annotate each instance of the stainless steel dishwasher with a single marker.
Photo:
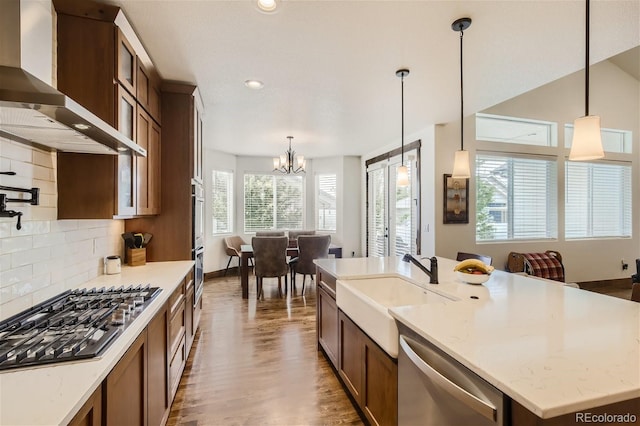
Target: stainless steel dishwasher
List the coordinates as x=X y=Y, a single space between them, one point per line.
x=435 y=389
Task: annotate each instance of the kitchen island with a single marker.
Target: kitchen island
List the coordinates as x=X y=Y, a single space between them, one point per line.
x=551 y=349
x=55 y=393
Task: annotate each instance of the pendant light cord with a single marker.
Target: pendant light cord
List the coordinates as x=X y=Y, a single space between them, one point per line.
x=461 y=95
x=402 y=114
x=586 y=66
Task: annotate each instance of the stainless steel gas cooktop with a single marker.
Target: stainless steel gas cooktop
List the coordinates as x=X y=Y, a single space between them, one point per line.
x=77 y=324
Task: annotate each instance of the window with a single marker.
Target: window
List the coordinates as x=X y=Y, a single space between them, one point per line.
x=326 y=202
x=273 y=202
x=516 y=197
x=613 y=140
x=512 y=130
x=597 y=200
x=222 y=188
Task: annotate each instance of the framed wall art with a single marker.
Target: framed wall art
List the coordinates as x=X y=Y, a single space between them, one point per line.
x=456 y=200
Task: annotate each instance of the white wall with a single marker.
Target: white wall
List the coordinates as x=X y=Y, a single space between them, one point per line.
x=47 y=256
x=427 y=187
x=215 y=257
x=614 y=95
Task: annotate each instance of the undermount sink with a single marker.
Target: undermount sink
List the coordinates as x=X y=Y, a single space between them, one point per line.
x=366 y=302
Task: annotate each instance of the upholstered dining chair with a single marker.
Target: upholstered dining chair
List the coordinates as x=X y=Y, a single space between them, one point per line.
x=464 y=256
x=293 y=236
x=635 y=292
x=270 y=257
x=232 y=247
x=269 y=233
x=310 y=247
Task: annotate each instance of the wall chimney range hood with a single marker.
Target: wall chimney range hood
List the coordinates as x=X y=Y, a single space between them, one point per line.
x=34 y=113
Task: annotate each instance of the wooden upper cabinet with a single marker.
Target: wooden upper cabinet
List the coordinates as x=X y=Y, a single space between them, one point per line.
x=148 y=90
x=148 y=168
x=99 y=68
x=126 y=63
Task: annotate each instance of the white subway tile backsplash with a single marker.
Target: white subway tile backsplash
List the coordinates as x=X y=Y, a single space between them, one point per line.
x=50 y=239
x=14 y=244
x=47 y=256
x=30 y=257
x=78 y=235
x=15 y=151
x=31 y=228
x=15 y=276
x=44 y=159
x=64 y=225
x=5 y=262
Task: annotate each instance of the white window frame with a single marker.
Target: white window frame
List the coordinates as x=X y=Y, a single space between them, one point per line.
x=319 y=177
x=230 y=202
x=624 y=209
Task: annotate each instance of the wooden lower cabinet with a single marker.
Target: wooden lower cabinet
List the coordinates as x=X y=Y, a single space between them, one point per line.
x=139 y=390
x=370 y=375
x=91 y=412
x=158 y=371
x=125 y=388
x=327 y=327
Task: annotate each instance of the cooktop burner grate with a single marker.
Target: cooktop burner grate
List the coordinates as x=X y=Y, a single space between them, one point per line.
x=75 y=325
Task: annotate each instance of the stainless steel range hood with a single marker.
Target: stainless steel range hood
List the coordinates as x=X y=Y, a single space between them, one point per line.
x=34 y=113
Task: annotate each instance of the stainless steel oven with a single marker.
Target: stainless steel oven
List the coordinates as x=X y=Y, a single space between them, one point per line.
x=197 y=200
x=198 y=257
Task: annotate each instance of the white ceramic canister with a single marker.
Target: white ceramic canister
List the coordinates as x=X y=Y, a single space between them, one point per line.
x=112 y=265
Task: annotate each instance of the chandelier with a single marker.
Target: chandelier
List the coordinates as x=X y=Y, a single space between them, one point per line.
x=289 y=162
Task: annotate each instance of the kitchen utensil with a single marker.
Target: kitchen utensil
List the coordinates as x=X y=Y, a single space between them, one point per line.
x=112 y=265
x=138 y=239
x=147 y=238
x=129 y=241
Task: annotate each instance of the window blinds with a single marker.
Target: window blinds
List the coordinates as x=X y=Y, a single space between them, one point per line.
x=326 y=206
x=222 y=196
x=516 y=198
x=273 y=202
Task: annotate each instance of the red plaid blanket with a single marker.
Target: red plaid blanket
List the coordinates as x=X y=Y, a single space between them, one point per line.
x=544 y=266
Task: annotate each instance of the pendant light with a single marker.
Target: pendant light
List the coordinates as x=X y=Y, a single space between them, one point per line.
x=461 y=161
x=403 y=172
x=587 y=140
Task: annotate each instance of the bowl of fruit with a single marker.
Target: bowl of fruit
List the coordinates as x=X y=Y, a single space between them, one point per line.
x=473 y=271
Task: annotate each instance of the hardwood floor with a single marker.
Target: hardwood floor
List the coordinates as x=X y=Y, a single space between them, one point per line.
x=257 y=363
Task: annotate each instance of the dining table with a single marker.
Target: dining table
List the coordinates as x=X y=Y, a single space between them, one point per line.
x=246 y=252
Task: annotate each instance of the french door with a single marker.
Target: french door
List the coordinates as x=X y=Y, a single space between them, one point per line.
x=392 y=211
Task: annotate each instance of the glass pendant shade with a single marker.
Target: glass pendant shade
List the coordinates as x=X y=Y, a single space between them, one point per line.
x=587 y=140
x=403 y=176
x=461 y=165
x=276 y=163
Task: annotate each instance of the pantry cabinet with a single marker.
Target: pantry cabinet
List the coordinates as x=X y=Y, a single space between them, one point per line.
x=98 y=67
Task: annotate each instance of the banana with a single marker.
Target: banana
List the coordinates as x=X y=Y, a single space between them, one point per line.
x=470 y=265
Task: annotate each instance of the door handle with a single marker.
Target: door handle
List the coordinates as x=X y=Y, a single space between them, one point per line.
x=462 y=395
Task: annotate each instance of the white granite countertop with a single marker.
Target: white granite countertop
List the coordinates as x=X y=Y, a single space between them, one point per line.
x=53 y=394
x=552 y=348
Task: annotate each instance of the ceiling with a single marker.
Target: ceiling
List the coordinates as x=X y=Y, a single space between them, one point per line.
x=328 y=67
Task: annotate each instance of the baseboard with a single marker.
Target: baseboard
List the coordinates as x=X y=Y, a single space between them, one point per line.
x=623 y=283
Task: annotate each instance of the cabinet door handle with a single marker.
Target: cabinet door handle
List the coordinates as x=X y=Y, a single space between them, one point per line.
x=436 y=378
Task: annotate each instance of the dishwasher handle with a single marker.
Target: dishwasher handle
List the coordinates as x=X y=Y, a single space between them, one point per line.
x=468 y=399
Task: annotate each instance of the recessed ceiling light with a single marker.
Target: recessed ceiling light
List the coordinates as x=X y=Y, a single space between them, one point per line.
x=267 y=5
x=81 y=126
x=254 y=84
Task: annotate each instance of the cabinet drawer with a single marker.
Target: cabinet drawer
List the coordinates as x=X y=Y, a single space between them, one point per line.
x=176 y=367
x=177 y=328
x=176 y=298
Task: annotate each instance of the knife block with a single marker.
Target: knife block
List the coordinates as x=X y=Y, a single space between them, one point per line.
x=136 y=256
